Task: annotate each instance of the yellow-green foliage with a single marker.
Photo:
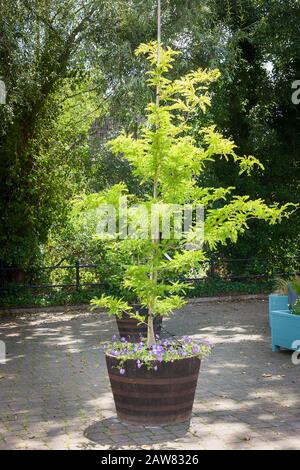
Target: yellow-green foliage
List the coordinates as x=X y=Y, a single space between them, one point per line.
x=295 y=283
x=296 y=308
x=167 y=156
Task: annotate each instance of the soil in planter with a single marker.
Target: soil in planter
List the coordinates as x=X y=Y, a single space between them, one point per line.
x=149 y=397
x=132 y=330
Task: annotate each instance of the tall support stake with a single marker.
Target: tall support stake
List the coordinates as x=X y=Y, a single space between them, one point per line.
x=158 y=44
x=153 y=274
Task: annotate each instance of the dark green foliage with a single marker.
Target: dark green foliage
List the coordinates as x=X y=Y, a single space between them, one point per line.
x=39 y=45
x=55 y=297
x=254 y=105
x=44 y=44
x=219 y=287
x=255 y=44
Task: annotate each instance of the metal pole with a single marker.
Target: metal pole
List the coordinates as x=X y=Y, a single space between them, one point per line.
x=77 y=265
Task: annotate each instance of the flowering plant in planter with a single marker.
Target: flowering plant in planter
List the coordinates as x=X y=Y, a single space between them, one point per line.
x=167 y=157
x=164 y=350
x=295 y=309
x=156 y=384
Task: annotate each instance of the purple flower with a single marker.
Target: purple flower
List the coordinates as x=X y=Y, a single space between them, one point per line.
x=139 y=364
x=122 y=371
x=114 y=338
x=123 y=340
x=195 y=349
x=156 y=349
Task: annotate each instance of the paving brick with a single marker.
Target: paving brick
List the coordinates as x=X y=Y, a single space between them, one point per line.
x=55 y=392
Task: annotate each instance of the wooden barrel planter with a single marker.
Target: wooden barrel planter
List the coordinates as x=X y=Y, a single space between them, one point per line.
x=149 y=397
x=131 y=329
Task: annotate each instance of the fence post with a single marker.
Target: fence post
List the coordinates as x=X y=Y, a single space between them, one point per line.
x=77 y=265
x=212 y=271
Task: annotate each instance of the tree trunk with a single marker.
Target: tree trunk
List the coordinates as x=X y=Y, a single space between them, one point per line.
x=150 y=331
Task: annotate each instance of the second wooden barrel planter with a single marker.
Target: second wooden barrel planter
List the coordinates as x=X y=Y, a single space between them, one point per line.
x=132 y=329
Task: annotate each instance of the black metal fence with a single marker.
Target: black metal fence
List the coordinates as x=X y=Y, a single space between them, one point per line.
x=240 y=269
x=243 y=269
x=19 y=278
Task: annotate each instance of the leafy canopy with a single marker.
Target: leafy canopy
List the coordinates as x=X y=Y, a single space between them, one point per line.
x=166 y=156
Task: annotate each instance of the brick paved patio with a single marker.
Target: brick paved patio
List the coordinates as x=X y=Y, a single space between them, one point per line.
x=55 y=394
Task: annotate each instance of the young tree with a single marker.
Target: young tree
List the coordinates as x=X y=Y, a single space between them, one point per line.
x=166 y=156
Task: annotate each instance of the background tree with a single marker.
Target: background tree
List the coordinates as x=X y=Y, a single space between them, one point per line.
x=255 y=45
x=257 y=111
x=42 y=60
x=43 y=45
